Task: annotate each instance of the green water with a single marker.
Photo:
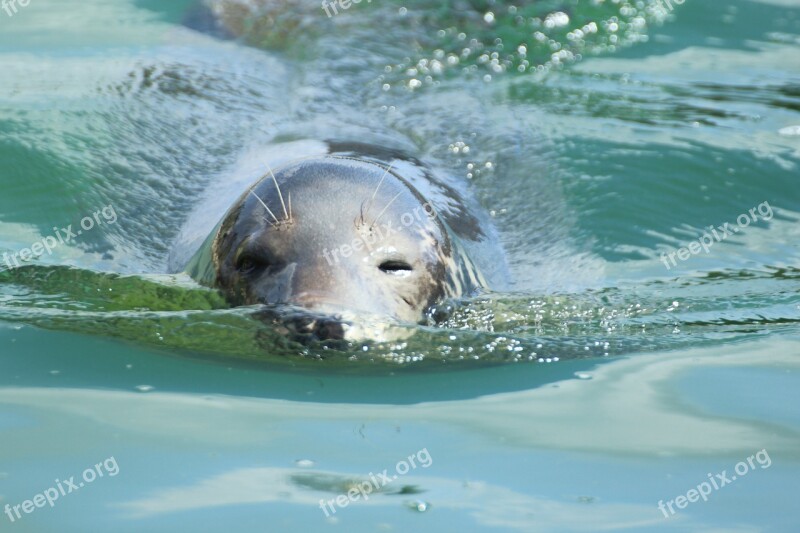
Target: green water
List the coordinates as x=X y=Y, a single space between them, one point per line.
x=601 y=136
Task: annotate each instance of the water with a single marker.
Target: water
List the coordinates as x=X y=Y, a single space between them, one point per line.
x=607 y=379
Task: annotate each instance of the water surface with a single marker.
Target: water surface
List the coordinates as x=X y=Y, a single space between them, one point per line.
x=600 y=137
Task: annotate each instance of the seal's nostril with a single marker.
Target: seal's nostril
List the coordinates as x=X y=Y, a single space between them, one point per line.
x=322 y=329
x=330 y=330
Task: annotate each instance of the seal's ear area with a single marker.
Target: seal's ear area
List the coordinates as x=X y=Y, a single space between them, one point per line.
x=456 y=211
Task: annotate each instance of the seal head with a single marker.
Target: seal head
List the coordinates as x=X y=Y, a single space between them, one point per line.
x=334 y=234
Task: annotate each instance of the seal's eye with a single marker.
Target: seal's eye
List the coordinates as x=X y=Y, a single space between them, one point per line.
x=248 y=265
x=395 y=267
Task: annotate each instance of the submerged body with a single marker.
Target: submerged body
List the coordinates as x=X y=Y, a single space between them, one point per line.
x=344 y=232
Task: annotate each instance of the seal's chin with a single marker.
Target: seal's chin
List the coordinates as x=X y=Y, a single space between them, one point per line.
x=377 y=330
x=307 y=327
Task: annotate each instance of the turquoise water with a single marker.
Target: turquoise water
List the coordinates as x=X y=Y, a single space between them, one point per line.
x=602 y=137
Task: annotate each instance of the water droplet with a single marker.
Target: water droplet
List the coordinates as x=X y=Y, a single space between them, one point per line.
x=144 y=388
x=418 y=505
x=304 y=463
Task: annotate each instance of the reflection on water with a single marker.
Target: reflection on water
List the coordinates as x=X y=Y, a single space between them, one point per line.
x=237 y=450
x=490 y=505
x=638 y=394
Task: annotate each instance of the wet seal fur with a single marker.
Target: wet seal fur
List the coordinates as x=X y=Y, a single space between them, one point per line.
x=346 y=232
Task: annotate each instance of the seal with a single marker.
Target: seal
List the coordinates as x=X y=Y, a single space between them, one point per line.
x=343 y=233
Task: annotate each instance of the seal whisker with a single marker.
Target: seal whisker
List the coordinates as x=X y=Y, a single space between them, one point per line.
x=396 y=196
x=265 y=207
x=290 y=207
x=369 y=206
x=280 y=195
x=360 y=218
